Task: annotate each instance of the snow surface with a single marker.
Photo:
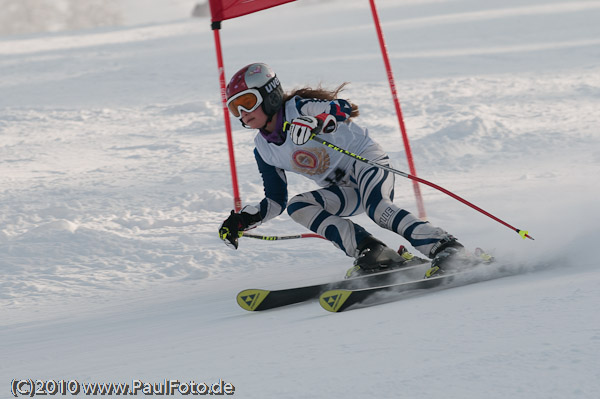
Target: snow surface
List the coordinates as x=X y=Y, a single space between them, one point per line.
x=114 y=178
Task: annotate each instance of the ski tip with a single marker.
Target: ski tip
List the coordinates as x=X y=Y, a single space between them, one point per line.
x=251 y=299
x=334 y=300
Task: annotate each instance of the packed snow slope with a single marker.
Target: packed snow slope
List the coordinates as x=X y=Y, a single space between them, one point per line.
x=114 y=178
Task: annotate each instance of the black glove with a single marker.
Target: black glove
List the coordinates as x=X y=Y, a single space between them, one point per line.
x=232 y=228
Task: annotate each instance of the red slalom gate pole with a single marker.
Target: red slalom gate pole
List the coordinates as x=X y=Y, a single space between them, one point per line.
x=237 y=201
x=390 y=75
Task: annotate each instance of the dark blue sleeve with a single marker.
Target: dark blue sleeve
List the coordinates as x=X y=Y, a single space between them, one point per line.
x=275 y=185
x=339 y=108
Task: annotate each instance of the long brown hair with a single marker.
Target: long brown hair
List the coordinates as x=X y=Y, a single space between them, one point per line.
x=321 y=93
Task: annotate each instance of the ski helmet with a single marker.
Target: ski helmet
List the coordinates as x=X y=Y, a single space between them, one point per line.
x=252 y=86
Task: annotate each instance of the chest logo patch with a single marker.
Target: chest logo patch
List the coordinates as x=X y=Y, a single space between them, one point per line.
x=311 y=162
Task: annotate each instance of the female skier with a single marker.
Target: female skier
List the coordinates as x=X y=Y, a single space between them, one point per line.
x=286 y=124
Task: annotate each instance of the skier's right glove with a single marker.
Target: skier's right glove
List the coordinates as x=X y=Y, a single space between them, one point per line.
x=233 y=227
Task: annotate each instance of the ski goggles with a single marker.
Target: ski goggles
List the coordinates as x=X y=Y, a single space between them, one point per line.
x=247 y=100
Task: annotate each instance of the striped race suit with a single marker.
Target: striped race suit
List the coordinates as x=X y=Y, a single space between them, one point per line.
x=349 y=187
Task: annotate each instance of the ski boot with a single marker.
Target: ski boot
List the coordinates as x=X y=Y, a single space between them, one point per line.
x=451 y=256
x=375 y=257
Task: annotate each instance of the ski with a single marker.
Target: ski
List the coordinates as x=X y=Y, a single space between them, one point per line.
x=340 y=299
x=261 y=299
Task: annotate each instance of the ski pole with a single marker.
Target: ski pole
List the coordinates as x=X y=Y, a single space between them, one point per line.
x=522 y=233
x=277 y=238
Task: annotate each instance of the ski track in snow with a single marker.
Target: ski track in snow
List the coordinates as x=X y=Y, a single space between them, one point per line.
x=114 y=178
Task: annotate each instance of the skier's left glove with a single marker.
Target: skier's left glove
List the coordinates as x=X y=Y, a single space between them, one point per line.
x=304 y=128
x=233 y=227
